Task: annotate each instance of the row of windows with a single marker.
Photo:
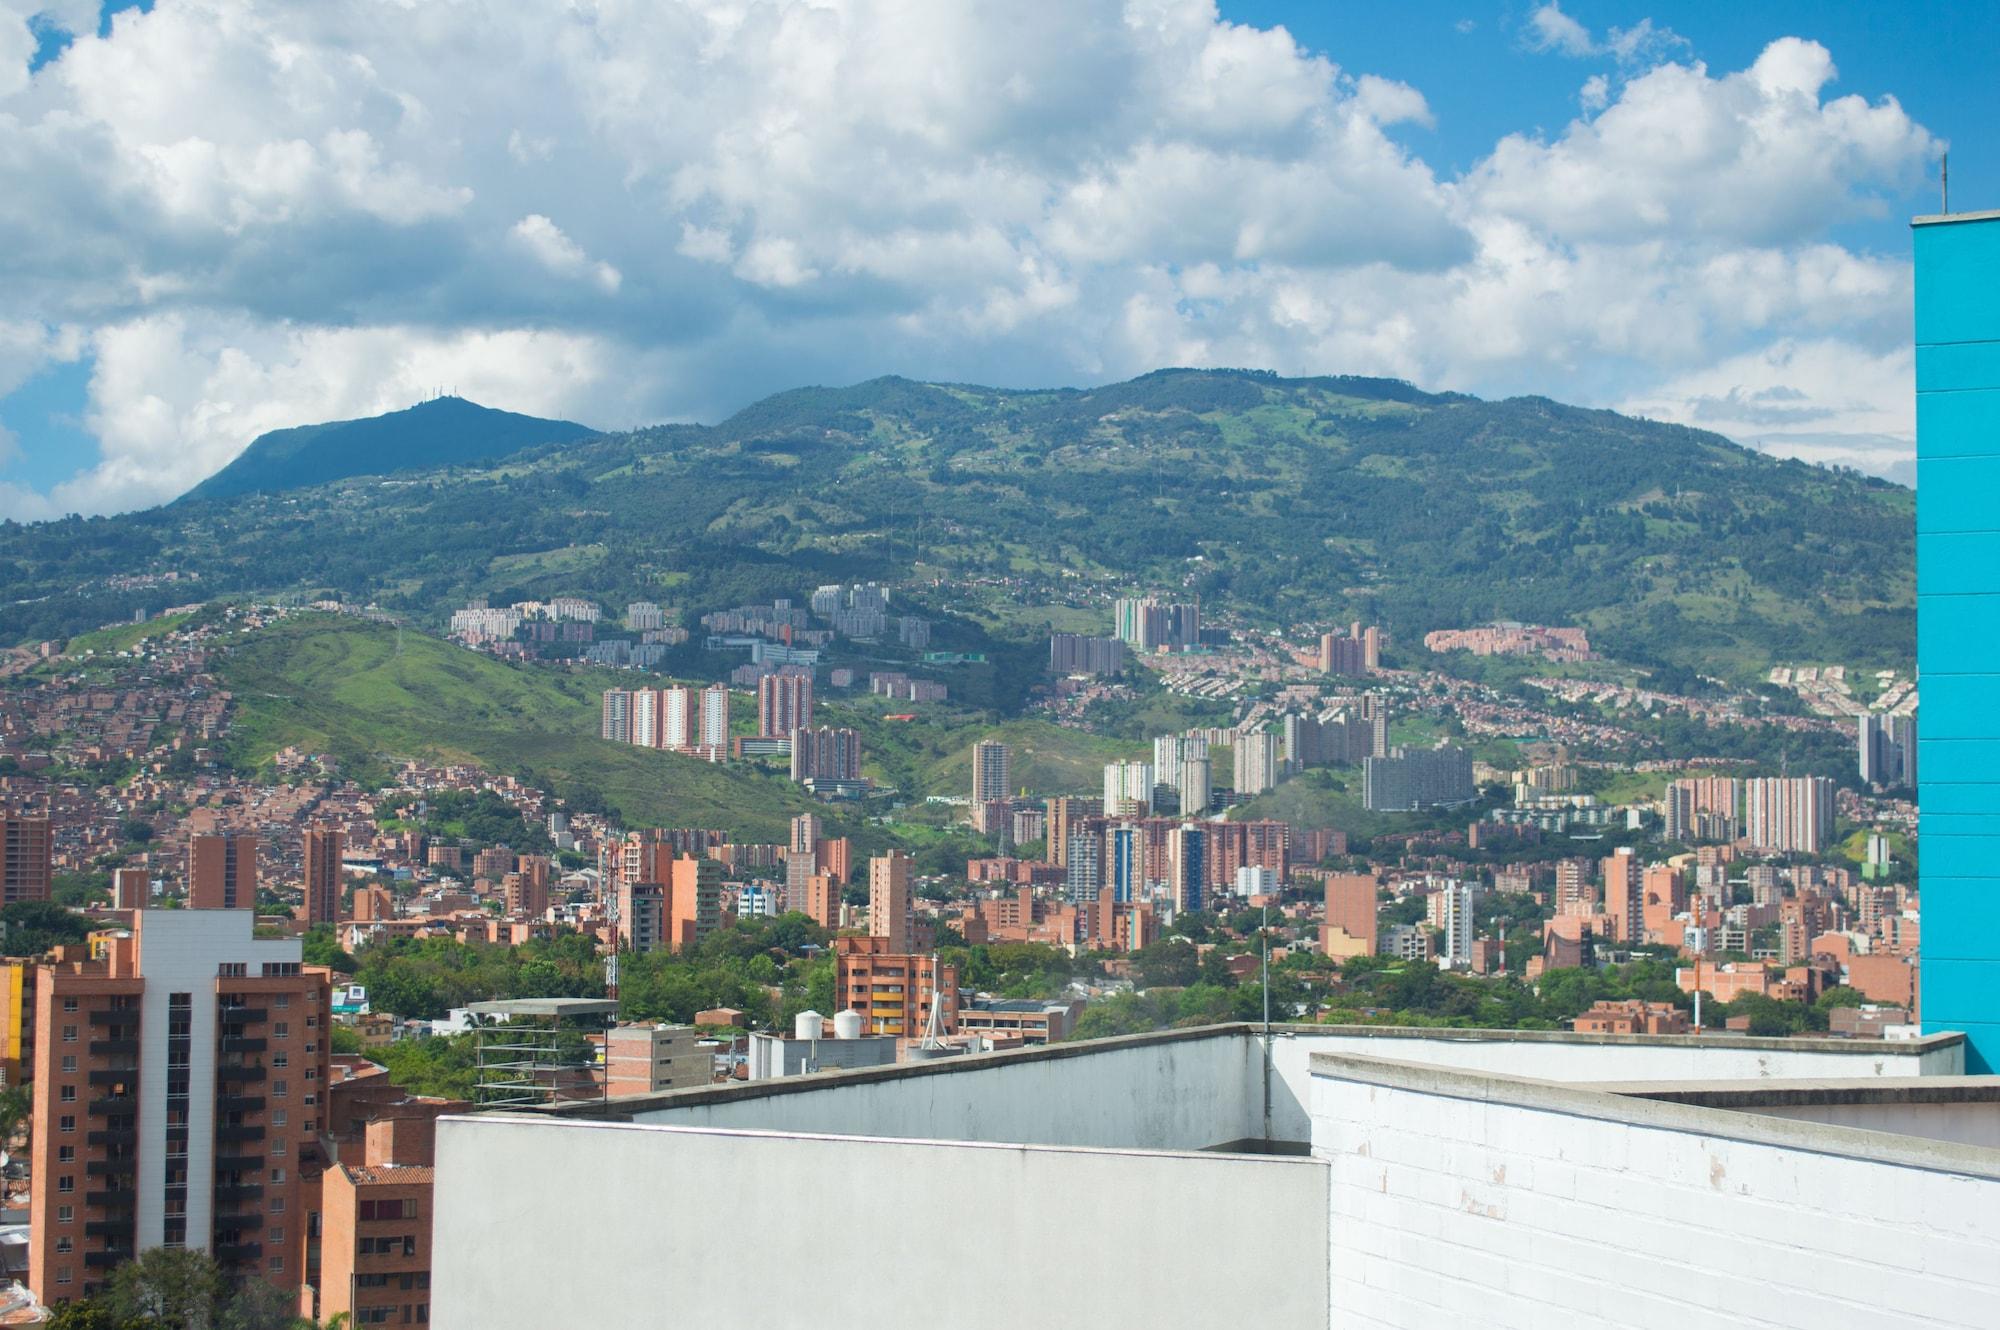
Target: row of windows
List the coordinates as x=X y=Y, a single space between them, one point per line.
x=406 y=1281
x=406 y=1208
x=405 y=1245
x=420 y=1314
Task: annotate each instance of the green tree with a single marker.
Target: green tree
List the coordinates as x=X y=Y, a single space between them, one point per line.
x=35 y=926
x=173 y=1288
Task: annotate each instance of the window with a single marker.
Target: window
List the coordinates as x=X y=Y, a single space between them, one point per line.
x=281 y=1030
x=275 y=1234
x=69 y=1064
x=278 y=1118
x=69 y=1094
x=277 y=1265
x=66 y=1183
x=67 y=1122
x=280 y=1059
x=62 y=1274
x=277 y=1089
x=233 y=970
x=371 y=1281
x=312 y=1073
x=69 y=1004
x=277 y=1147
x=66 y=1154
x=64 y=1246
x=395 y=1208
x=65 y=1214
x=282 y=1001
x=277 y=1177
x=69 y=1034
x=277 y=1205
x=311 y=1049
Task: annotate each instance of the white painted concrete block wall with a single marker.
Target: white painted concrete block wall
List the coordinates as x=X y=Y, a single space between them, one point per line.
x=1185 y=1094
x=545 y=1224
x=1450 y=1211
x=1572 y=1059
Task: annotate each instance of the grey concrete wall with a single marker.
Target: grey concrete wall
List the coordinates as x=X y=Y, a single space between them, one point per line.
x=1155 y=1094
x=1968 y=1124
x=548 y=1223
x=1501 y=1202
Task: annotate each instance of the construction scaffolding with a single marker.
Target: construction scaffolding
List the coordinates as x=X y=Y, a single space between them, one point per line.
x=531 y=1052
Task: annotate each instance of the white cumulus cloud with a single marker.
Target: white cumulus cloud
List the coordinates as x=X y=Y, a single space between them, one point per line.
x=252 y=215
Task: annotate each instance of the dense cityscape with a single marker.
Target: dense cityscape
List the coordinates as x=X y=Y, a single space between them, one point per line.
x=1323 y=848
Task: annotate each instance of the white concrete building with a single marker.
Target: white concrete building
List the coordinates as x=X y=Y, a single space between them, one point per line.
x=1319 y=1177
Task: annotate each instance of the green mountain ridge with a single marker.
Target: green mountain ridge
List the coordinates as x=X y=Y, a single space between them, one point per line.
x=445 y=431
x=1280 y=501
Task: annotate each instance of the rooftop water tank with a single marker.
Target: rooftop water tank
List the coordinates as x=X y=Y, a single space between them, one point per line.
x=847 y=1025
x=806 y=1025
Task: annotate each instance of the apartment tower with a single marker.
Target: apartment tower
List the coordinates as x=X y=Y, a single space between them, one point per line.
x=222 y=871
x=180 y=1074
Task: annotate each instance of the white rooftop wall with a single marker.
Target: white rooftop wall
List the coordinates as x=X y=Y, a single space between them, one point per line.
x=1479 y=1199
x=672 y=1227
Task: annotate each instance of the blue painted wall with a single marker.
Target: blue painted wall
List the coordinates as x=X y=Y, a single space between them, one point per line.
x=1958 y=627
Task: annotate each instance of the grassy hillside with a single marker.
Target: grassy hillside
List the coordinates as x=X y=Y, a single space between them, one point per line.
x=344 y=687
x=1280 y=500
x=353 y=689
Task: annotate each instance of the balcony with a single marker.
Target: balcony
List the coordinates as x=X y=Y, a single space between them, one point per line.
x=242 y=1015
x=236 y=1253
x=237 y=1191
x=122 y=1016
x=105 y=1260
x=106 y=1047
x=238 y=1222
x=236 y=1072
x=239 y=1131
x=114 y=1136
x=110 y=1228
x=113 y=1106
x=239 y=1103
x=239 y=1163
x=115 y=1076
x=106 y=1200
x=115 y=1166
x=242 y=1044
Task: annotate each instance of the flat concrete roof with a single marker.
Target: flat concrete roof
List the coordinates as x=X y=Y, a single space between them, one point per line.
x=1818 y=1091
x=1940 y=218
x=625 y=1105
x=551 y=1007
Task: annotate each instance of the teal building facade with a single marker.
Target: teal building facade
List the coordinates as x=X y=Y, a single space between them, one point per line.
x=1958 y=625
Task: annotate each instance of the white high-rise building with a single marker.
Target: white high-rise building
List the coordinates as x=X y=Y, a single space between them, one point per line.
x=1127 y=784
x=1256 y=762
x=646 y=717
x=1196 y=789
x=1455 y=921
x=715 y=716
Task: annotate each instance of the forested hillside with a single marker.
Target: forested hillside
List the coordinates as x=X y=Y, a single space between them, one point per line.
x=1281 y=500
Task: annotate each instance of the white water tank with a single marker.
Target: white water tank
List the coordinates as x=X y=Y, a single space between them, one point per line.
x=806 y=1025
x=847 y=1024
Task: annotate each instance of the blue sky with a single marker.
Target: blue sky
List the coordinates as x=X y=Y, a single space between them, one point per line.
x=225 y=217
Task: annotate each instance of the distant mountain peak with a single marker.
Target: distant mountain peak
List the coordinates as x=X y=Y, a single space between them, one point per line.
x=438 y=431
